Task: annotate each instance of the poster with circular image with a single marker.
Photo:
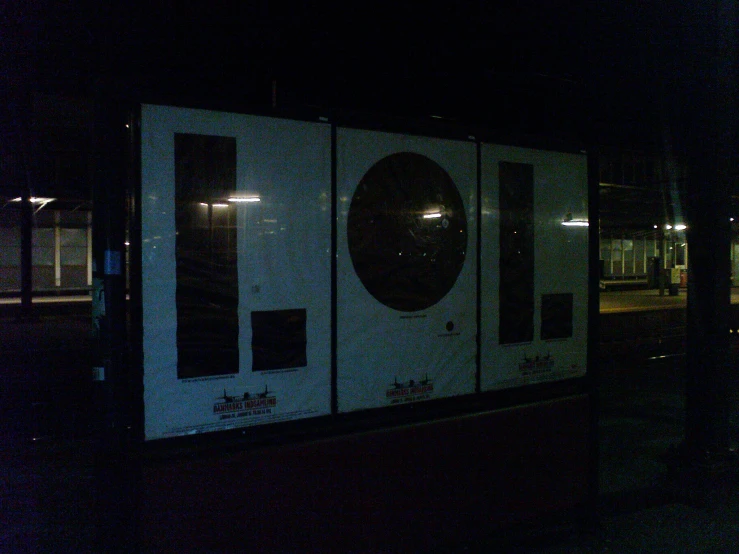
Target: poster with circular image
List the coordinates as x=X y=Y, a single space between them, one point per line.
x=405 y=287
x=407 y=232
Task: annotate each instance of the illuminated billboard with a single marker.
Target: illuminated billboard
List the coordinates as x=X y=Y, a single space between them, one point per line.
x=236 y=242
x=296 y=269
x=406 y=268
x=534 y=266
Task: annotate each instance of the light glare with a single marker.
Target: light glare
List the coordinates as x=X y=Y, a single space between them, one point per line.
x=244 y=199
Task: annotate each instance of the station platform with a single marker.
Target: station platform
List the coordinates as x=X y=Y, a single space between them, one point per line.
x=610 y=301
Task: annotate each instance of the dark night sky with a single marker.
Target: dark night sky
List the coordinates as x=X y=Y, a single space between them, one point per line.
x=610 y=65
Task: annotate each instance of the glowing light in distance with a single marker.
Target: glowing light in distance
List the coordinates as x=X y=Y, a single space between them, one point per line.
x=680 y=227
x=576 y=223
x=434 y=215
x=220 y=205
x=244 y=199
x=35 y=200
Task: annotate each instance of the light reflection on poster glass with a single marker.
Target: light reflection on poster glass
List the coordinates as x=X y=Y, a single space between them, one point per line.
x=205 y=250
x=407 y=232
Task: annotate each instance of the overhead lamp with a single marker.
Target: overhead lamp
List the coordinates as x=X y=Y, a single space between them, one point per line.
x=434 y=215
x=35 y=200
x=244 y=199
x=569 y=221
x=39 y=201
x=220 y=205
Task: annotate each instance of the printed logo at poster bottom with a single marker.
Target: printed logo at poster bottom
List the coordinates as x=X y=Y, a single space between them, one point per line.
x=245 y=405
x=537 y=365
x=411 y=391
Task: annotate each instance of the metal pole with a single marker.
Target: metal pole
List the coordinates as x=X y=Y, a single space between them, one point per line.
x=26 y=255
x=116 y=481
x=711 y=138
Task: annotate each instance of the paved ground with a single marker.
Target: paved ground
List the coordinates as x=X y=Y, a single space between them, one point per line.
x=647 y=503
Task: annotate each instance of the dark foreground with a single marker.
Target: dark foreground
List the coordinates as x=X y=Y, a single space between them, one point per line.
x=649 y=501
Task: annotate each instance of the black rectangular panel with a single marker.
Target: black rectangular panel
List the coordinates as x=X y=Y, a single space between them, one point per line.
x=205 y=248
x=556 y=316
x=278 y=339
x=516 y=293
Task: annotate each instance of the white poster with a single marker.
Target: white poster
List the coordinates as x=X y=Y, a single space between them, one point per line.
x=236 y=261
x=406 y=233
x=534 y=266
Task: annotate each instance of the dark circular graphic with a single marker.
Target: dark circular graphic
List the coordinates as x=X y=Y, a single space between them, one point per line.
x=407 y=232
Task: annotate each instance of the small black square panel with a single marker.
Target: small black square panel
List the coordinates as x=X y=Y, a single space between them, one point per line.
x=556 y=316
x=278 y=339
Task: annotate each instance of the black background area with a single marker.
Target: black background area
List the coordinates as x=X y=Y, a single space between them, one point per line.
x=205 y=250
x=556 y=316
x=278 y=339
x=406 y=262
x=516 y=252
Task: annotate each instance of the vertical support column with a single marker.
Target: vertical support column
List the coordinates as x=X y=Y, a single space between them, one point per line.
x=117 y=496
x=711 y=141
x=57 y=250
x=709 y=376
x=593 y=357
x=26 y=255
x=662 y=254
x=89 y=249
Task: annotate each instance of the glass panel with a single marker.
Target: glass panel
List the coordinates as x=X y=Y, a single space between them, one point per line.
x=74 y=276
x=73 y=255
x=10 y=251
x=42 y=277
x=10 y=278
x=73 y=237
x=639 y=257
x=628 y=261
x=43 y=237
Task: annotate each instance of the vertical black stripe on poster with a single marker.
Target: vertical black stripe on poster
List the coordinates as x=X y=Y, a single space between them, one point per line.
x=207 y=293
x=516 y=262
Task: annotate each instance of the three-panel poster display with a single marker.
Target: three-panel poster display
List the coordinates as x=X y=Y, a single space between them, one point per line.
x=286 y=264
